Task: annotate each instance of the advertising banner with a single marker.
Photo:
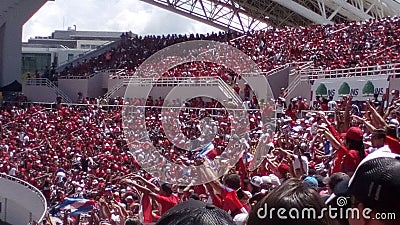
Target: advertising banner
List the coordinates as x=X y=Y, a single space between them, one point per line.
x=361 y=88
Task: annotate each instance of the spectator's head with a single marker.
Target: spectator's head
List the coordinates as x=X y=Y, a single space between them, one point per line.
x=232 y=181
x=166 y=189
x=378 y=138
x=194 y=196
x=391 y=131
x=195 y=212
x=376 y=186
x=292 y=195
x=354 y=140
x=335 y=179
x=311 y=181
x=133 y=221
x=395 y=94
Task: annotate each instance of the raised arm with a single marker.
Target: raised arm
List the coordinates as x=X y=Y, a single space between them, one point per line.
x=148 y=184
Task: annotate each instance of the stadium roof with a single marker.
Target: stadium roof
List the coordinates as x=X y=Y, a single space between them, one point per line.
x=245 y=15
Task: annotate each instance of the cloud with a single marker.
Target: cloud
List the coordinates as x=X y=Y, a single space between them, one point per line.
x=109 y=15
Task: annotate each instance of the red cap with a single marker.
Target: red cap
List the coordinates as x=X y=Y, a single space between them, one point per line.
x=355 y=134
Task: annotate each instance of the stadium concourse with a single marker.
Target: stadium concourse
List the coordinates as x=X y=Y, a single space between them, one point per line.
x=77 y=154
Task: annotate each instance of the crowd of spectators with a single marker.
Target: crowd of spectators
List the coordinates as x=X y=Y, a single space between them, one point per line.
x=81 y=152
x=338 y=46
x=346 y=45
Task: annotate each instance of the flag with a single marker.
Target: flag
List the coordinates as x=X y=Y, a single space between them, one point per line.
x=247 y=158
x=208 y=151
x=77 y=205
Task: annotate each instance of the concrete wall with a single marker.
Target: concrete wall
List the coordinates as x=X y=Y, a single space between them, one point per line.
x=279 y=80
x=95 y=85
x=13 y=212
x=173 y=93
x=39 y=93
x=71 y=87
x=303 y=89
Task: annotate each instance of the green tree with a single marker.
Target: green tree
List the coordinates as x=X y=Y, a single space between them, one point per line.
x=321 y=90
x=344 y=89
x=368 y=88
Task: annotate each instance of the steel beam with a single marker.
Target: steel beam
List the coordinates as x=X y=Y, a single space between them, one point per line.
x=222 y=14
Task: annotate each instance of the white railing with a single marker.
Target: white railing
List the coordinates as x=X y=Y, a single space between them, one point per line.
x=387 y=69
x=112 y=76
x=31 y=188
x=46 y=82
x=113 y=90
x=118 y=73
x=293 y=84
x=165 y=82
x=295 y=72
x=229 y=91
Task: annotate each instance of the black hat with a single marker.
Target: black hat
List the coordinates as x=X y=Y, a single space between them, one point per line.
x=195 y=212
x=376 y=182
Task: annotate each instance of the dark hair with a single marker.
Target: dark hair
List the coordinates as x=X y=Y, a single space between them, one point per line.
x=356 y=145
x=167 y=188
x=391 y=131
x=292 y=194
x=133 y=221
x=195 y=212
x=232 y=181
x=194 y=196
x=379 y=133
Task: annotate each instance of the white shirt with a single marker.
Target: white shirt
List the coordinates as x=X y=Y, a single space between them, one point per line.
x=385 y=148
x=332 y=105
x=296 y=163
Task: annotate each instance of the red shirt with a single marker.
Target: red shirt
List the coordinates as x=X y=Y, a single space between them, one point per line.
x=345 y=159
x=393 y=144
x=167 y=202
x=230 y=201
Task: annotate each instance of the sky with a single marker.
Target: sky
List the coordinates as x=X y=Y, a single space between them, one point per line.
x=108 y=15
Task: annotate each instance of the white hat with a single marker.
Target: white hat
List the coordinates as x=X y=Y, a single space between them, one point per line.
x=394 y=121
x=266 y=180
x=256 y=181
x=274 y=180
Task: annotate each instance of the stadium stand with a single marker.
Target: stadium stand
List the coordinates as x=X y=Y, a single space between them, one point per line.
x=346 y=45
x=77 y=155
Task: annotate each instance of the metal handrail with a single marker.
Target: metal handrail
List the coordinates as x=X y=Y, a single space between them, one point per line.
x=232 y=93
x=91 y=75
x=30 y=187
x=144 y=106
x=165 y=81
x=386 y=69
x=46 y=82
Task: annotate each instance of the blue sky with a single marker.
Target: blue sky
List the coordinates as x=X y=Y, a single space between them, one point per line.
x=108 y=15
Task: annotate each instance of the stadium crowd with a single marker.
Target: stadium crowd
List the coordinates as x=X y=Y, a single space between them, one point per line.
x=79 y=152
x=338 y=46
x=75 y=152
